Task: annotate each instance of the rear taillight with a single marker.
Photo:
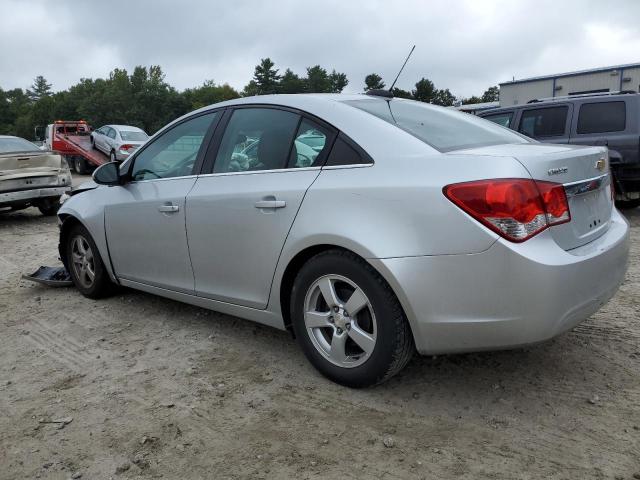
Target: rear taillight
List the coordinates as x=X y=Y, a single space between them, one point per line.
x=515 y=208
x=126 y=147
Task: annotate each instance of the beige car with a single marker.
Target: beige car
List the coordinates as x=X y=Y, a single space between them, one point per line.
x=30 y=176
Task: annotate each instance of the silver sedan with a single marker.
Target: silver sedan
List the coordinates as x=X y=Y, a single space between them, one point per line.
x=369 y=227
x=118 y=141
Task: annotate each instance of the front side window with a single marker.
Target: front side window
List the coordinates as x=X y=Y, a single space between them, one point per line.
x=173 y=154
x=256 y=139
x=443 y=128
x=602 y=117
x=544 y=122
x=502 y=119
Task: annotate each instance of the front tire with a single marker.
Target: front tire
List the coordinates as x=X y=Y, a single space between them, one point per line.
x=348 y=321
x=85 y=265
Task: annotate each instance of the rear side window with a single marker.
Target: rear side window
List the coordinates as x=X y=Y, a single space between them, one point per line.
x=345 y=152
x=310 y=146
x=544 y=122
x=602 y=117
x=502 y=119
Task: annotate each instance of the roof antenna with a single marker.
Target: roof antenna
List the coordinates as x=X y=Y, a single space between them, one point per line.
x=397 y=76
x=381 y=92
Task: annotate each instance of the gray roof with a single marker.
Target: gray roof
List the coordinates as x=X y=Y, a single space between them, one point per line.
x=572 y=74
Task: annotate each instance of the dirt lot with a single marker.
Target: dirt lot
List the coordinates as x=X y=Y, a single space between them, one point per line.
x=146 y=387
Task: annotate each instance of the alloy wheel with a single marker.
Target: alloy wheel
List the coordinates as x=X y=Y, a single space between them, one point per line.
x=83 y=261
x=340 y=321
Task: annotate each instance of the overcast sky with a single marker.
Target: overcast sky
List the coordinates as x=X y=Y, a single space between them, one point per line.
x=465 y=46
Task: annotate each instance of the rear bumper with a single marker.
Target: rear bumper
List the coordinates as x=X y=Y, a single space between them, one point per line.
x=9 y=198
x=509 y=295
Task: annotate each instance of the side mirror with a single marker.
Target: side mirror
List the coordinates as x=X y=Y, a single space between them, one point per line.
x=107 y=174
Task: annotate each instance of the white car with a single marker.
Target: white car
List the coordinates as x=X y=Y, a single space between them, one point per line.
x=118 y=141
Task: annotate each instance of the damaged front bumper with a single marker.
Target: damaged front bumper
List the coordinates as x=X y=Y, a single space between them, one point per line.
x=51 y=276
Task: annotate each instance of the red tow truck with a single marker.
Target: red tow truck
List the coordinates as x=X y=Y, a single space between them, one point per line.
x=71 y=139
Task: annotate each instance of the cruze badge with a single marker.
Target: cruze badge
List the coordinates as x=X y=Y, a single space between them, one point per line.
x=558 y=171
x=601 y=164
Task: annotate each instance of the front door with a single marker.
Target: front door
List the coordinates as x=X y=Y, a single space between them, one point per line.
x=145 y=219
x=239 y=216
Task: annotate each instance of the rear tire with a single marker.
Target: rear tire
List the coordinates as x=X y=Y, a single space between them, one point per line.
x=364 y=347
x=49 y=206
x=80 y=166
x=628 y=204
x=112 y=156
x=85 y=266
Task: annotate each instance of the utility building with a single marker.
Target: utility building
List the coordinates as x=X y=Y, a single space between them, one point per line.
x=597 y=80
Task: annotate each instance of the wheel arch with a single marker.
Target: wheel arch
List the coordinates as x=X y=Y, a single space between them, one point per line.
x=67 y=222
x=299 y=259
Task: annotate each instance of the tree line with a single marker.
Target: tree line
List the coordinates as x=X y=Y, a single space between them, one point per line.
x=143 y=97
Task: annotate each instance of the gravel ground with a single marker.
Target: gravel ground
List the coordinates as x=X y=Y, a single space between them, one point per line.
x=137 y=386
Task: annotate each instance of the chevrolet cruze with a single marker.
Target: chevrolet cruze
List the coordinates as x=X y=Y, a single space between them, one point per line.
x=401 y=227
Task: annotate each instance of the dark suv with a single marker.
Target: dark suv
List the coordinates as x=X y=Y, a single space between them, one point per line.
x=608 y=119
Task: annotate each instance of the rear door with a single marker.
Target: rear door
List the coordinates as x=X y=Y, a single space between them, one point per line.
x=110 y=140
x=239 y=214
x=546 y=123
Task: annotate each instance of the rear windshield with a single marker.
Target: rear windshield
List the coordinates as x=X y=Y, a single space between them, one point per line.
x=10 y=145
x=443 y=128
x=132 y=136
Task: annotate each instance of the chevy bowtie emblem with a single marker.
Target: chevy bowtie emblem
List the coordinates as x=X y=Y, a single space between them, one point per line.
x=601 y=164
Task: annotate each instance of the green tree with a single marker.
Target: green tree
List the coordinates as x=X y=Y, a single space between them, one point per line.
x=443 y=97
x=373 y=81
x=471 y=100
x=491 y=94
x=291 y=83
x=39 y=89
x=208 y=93
x=424 y=91
x=266 y=77
x=251 y=89
x=337 y=81
x=400 y=93
x=318 y=80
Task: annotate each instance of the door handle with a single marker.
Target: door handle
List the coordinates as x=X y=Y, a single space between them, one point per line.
x=168 y=208
x=270 y=204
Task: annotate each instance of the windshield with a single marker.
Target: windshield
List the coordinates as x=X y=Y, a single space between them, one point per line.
x=443 y=128
x=131 y=136
x=16 y=144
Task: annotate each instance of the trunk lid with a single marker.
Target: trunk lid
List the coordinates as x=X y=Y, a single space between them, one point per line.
x=584 y=171
x=23 y=170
